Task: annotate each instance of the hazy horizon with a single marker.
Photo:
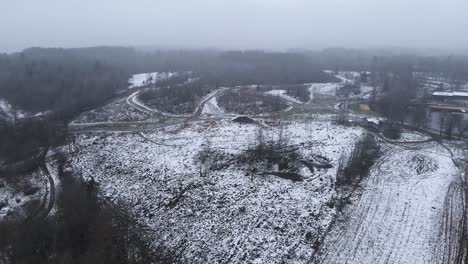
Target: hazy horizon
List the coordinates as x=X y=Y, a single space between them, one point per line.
x=241 y=24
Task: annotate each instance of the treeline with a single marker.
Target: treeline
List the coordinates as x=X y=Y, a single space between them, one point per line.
x=83 y=230
x=259 y=67
x=25 y=138
x=230 y=67
x=437 y=64
x=69 y=80
x=59 y=80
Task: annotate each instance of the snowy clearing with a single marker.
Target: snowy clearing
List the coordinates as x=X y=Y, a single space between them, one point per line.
x=322 y=88
x=8 y=112
x=220 y=216
x=283 y=94
x=143 y=79
x=401 y=214
x=212 y=108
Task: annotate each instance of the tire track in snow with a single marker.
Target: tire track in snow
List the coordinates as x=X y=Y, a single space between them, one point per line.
x=395 y=218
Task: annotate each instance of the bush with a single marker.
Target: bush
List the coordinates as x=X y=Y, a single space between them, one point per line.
x=353 y=169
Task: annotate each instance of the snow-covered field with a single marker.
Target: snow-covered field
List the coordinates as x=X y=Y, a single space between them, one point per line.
x=142 y=79
x=412 y=136
x=117 y=111
x=283 y=94
x=407 y=211
x=403 y=215
x=212 y=109
x=7 y=112
x=323 y=88
x=5 y=108
x=346 y=77
x=219 y=216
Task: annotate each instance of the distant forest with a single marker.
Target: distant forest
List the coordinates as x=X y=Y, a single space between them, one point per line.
x=39 y=80
x=71 y=80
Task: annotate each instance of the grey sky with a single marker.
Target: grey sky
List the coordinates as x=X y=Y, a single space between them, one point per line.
x=270 y=24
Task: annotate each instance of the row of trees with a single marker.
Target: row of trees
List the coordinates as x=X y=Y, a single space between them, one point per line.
x=25 y=138
x=437 y=64
x=65 y=83
x=70 y=80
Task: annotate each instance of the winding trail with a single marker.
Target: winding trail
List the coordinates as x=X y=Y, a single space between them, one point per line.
x=48 y=201
x=133 y=101
x=51 y=200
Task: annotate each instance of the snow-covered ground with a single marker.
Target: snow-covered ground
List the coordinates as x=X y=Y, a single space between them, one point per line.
x=116 y=111
x=323 y=88
x=21 y=196
x=407 y=212
x=7 y=112
x=212 y=108
x=142 y=79
x=283 y=94
x=412 y=136
x=221 y=216
x=346 y=77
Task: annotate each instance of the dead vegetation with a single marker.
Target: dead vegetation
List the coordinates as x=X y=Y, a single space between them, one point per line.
x=351 y=170
x=263 y=158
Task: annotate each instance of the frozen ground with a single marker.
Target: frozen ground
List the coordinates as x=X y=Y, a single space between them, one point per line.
x=5 y=109
x=409 y=211
x=410 y=136
x=349 y=77
x=212 y=109
x=323 y=88
x=143 y=79
x=406 y=211
x=116 y=111
x=219 y=216
x=21 y=195
x=7 y=112
x=283 y=94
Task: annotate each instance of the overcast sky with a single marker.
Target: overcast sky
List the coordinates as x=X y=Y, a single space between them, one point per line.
x=268 y=24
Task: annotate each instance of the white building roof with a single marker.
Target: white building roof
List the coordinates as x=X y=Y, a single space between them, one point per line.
x=463 y=94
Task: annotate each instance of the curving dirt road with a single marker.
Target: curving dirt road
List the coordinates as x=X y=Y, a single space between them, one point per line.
x=133 y=101
x=48 y=201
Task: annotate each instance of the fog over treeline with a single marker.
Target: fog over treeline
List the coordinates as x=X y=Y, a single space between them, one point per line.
x=233 y=131
x=240 y=24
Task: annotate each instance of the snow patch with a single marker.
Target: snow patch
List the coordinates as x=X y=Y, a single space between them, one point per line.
x=283 y=94
x=143 y=79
